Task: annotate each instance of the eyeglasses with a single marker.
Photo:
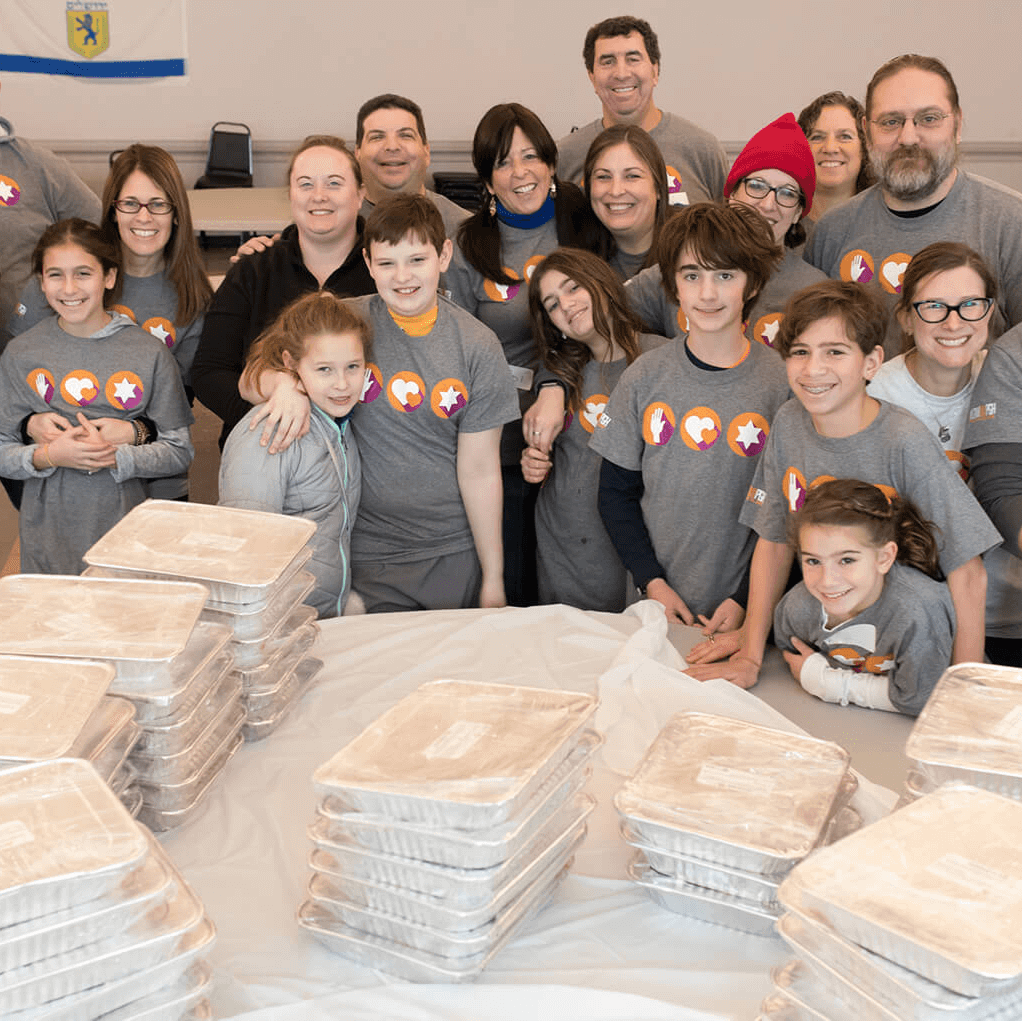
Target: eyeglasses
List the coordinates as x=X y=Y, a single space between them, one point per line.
x=928 y=120
x=786 y=195
x=971 y=310
x=156 y=207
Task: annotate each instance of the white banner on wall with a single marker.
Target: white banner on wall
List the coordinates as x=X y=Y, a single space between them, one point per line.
x=93 y=38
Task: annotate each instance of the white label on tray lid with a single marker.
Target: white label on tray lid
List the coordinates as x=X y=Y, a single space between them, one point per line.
x=457 y=740
x=210 y=540
x=12 y=702
x=1010 y=726
x=982 y=881
x=712 y=775
x=14 y=834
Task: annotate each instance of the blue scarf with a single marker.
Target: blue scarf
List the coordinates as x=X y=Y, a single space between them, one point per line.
x=526 y=221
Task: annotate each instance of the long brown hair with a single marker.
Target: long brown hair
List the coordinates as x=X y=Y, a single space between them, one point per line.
x=91 y=240
x=185 y=268
x=850 y=503
x=613 y=318
x=312 y=315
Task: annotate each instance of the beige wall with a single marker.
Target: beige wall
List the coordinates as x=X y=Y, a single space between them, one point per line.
x=290 y=67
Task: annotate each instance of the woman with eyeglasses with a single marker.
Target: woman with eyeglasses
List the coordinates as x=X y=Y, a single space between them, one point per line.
x=944 y=313
x=164 y=286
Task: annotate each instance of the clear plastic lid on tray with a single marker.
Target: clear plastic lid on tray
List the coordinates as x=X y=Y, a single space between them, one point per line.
x=908 y=996
x=158 y=741
x=161 y=689
x=136 y=625
x=971 y=728
x=895 y=886
x=238 y=554
x=256 y=623
x=733 y=792
x=46 y=703
x=64 y=838
x=249 y=653
x=820 y=998
x=457 y=753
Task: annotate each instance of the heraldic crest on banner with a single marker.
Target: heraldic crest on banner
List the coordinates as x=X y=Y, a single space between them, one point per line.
x=88 y=27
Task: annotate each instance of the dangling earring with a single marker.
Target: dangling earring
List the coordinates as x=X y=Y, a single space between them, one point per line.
x=553 y=188
x=493 y=204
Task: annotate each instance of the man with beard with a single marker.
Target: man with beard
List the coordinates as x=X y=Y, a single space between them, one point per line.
x=913 y=126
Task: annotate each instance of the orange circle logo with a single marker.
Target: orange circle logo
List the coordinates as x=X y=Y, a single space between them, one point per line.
x=889 y=491
x=682 y=321
x=676 y=194
x=857 y=267
x=892 y=272
x=793 y=488
x=747 y=434
x=594 y=412
x=449 y=396
x=765 y=330
x=657 y=424
x=406 y=391
x=162 y=329
x=43 y=383
x=10 y=193
x=80 y=388
x=852 y=659
x=503 y=292
x=820 y=479
x=124 y=390
x=700 y=428
x=530 y=266
x=373 y=385
x=125 y=311
x=961 y=463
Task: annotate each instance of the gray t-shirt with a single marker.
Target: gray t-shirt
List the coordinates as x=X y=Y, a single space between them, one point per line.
x=905 y=636
x=863 y=241
x=995 y=411
x=895 y=451
x=696 y=436
x=577 y=562
x=420 y=394
x=696 y=164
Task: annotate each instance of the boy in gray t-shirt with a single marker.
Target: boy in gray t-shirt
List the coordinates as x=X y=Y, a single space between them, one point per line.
x=831 y=340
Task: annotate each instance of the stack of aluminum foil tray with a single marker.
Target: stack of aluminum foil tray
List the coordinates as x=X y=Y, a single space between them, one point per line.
x=917 y=917
x=172 y=669
x=447 y=824
x=251 y=562
x=970 y=731
x=94 y=918
x=720 y=811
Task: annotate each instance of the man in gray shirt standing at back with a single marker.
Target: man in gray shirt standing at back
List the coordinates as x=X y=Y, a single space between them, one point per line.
x=622 y=56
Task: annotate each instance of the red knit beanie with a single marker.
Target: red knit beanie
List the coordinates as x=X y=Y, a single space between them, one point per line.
x=781 y=145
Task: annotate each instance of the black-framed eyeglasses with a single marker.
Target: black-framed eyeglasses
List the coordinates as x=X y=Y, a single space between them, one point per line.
x=156 y=207
x=972 y=310
x=927 y=120
x=785 y=194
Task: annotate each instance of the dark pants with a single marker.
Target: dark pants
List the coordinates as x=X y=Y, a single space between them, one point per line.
x=521 y=585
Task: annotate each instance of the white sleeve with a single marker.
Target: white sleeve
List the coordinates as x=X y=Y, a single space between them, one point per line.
x=834 y=684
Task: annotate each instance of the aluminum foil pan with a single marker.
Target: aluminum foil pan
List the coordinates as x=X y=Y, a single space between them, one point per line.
x=123 y=778
x=733 y=793
x=171 y=796
x=249 y=654
x=59 y=932
x=256 y=601
x=267 y=704
x=283 y=653
x=131 y=798
x=183 y=1000
x=263 y=723
x=64 y=839
x=454 y=946
x=804 y=989
x=701 y=903
x=893 y=887
x=97 y=1002
x=176 y=738
x=145 y=944
x=971 y=729
x=99 y=618
x=457 y=753
x=750 y=886
x=162 y=690
x=454 y=887
x=109 y=736
x=466 y=849
x=903 y=993
x=238 y=554
x=386 y=955
x=159 y=820
x=336 y=892
x=162 y=772
x=46 y=703
x=263 y=621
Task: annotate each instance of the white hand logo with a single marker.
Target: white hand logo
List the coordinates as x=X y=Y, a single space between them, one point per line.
x=859 y=268
x=794 y=492
x=656 y=424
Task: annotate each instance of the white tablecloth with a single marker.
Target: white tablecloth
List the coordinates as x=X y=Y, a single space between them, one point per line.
x=600 y=951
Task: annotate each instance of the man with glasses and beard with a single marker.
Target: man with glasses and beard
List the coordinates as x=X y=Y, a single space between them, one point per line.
x=913 y=126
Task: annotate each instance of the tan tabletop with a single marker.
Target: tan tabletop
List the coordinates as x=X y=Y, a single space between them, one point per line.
x=249 y=210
